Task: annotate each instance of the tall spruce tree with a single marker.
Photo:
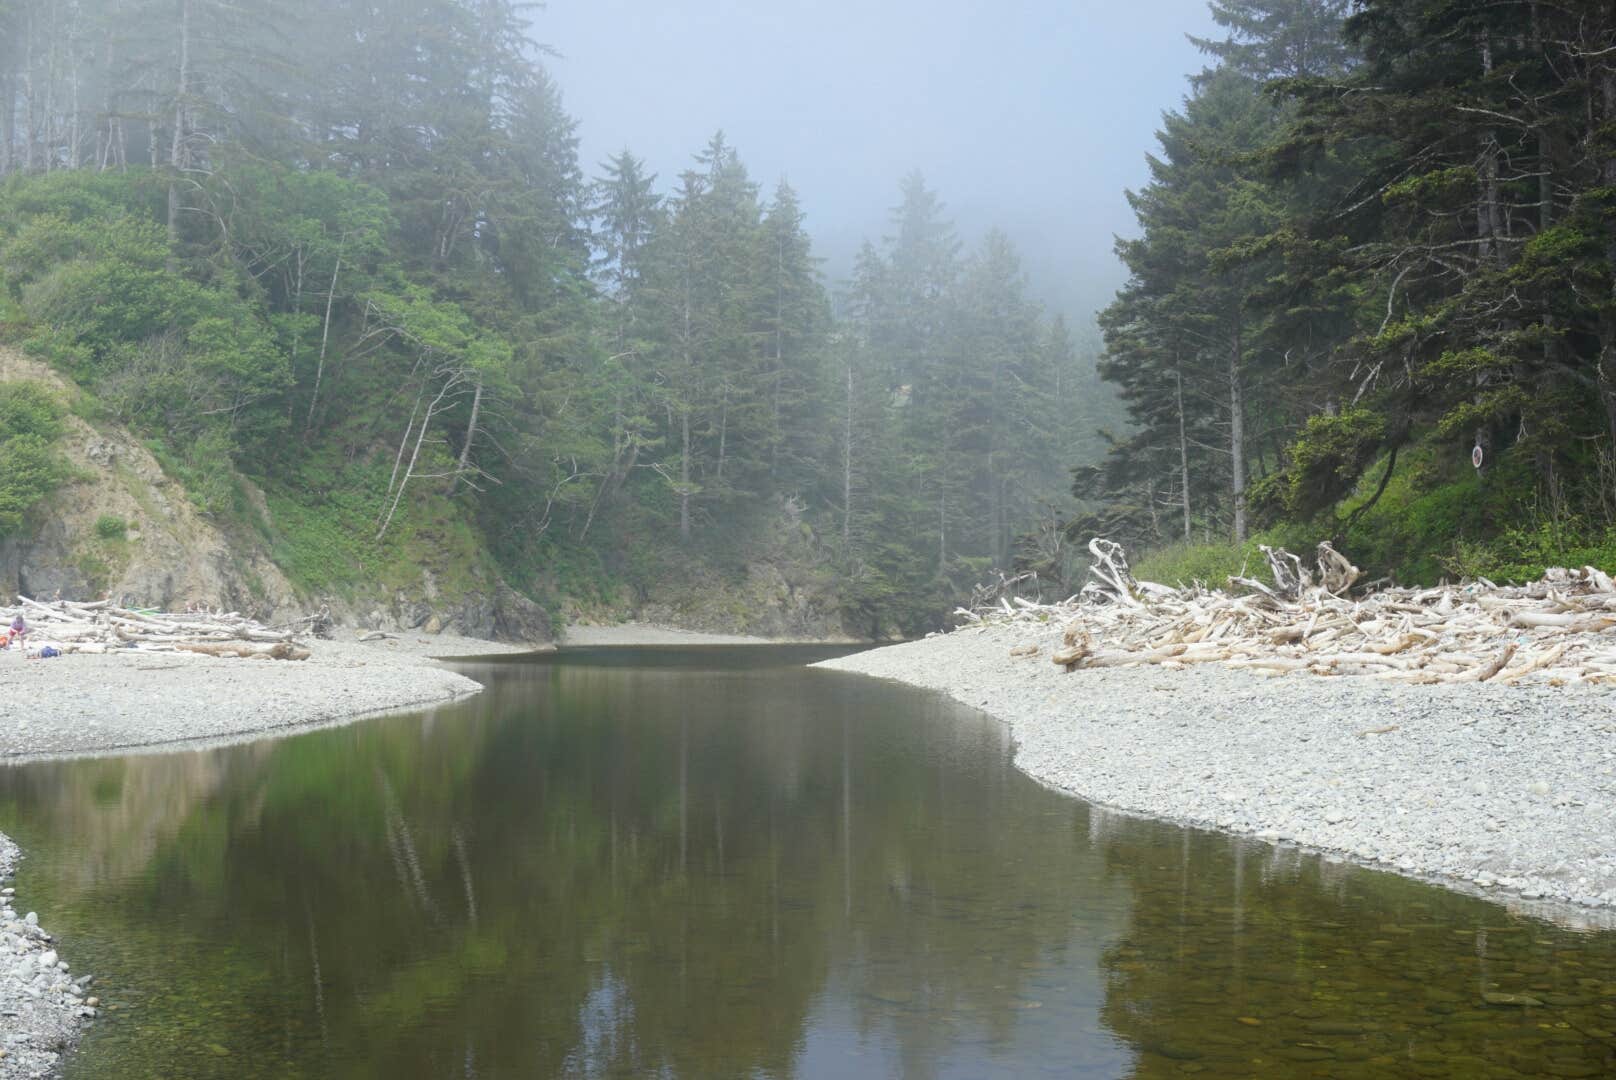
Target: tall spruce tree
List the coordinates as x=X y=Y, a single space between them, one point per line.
x=1279 y=39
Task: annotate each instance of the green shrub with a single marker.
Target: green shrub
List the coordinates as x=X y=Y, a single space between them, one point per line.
x=30 y=466
x=96 y=570
x=1437 y=518
x=1209 y=564
x=111 y=527
x=1212 y=564
x=29 y=408
x=1328 y=457
x=1522 y=554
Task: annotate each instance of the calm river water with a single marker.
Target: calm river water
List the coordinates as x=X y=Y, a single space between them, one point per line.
x=716 y=863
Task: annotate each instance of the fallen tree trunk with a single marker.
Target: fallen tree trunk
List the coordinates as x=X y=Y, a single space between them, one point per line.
x=280 y=651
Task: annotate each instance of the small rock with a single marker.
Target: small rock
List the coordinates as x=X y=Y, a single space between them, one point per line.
x=1493 y=998
x=1176 y=1051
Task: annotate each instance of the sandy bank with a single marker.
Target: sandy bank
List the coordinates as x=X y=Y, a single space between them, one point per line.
x=80 y=704
x=1502 y=788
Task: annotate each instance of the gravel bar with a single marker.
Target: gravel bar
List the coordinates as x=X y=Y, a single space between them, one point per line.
x=87 y=704
x=1498 y=789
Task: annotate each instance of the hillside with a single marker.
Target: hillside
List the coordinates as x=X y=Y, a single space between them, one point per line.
x=119 y=524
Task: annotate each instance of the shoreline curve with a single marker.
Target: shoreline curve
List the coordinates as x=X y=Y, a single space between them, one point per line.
x=1507 y=792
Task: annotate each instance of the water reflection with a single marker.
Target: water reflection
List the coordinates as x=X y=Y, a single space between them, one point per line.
x=700 y=865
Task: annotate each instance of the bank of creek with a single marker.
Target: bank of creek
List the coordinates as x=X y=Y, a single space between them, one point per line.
x=718 y=862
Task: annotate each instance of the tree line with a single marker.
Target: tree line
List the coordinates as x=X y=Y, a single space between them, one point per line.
x=1376 y=261
x=349 y=250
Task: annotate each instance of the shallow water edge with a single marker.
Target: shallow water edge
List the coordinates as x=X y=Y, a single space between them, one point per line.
x=1498 y=791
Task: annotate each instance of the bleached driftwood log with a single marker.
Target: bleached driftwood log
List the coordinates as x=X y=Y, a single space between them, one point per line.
x=283 y=650
x=102 y=626
x=1560 y=629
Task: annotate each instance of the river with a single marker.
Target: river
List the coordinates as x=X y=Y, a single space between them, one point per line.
x=719 y=863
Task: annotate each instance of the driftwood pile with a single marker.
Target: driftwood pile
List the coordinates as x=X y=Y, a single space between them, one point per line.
x=1558 y=629
x=102 y=627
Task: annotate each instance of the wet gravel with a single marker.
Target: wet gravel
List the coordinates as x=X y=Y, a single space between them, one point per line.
x=1506 y=789
x=44 y=1004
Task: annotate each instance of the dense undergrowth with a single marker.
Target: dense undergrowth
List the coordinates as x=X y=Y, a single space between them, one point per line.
x=30 y=469
x=1436 y=519
x=192 y=358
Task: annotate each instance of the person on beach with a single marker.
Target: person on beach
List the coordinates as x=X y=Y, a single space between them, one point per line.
x=18 y=632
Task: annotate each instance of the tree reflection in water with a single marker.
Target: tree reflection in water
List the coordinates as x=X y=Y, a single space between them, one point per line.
x=699 y=866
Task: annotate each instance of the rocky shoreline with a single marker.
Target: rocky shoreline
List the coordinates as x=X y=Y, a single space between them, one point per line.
x=1504 y=790
x=44 y=1005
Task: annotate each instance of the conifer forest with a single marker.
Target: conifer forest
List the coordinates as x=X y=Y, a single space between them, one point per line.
x=348 y=256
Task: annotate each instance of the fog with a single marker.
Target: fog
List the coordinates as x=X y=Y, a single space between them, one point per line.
x=1034 y=115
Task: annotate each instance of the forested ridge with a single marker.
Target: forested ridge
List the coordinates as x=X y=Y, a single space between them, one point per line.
x=346 y=255
x=1373 y=295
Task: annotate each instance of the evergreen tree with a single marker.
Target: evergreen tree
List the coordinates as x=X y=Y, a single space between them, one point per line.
x=1184 y=335
x=703 y=292
x=1279 y=39
x=628 y=215
x=795 y=314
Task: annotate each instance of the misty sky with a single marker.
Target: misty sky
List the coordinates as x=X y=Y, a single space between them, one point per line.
x=1030 y=114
